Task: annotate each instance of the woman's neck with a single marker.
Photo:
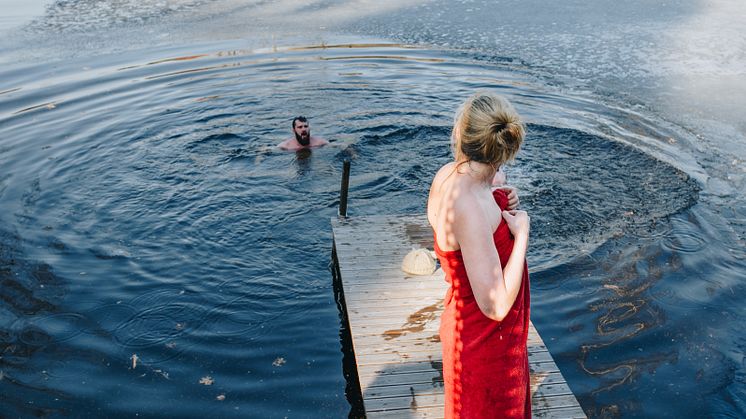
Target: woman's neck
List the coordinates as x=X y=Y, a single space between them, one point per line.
x=481 y=173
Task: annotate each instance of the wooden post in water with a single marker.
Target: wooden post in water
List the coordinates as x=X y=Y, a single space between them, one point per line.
x=344 y=188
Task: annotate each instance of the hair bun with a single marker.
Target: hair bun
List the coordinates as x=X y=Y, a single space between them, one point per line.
x=498 y=126
x=487 y=129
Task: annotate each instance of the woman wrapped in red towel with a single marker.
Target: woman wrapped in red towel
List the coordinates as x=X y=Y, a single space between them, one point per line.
x=481 y=241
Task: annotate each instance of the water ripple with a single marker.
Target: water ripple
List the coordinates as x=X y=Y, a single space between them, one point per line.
x=192 y=242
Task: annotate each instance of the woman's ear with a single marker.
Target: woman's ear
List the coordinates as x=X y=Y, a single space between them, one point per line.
x=500 y=178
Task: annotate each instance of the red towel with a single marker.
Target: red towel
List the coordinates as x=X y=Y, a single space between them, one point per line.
x=485 y=362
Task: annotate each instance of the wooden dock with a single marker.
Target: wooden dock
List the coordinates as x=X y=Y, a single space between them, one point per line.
x=394 y=319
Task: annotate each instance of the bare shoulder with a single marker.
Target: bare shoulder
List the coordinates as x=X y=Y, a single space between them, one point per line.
x=435 y=201
x=438 y=179
x=285 y=145
x=443 y=173
x=318 y=141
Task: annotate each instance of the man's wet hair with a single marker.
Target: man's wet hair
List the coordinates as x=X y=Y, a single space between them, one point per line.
x=299 y=118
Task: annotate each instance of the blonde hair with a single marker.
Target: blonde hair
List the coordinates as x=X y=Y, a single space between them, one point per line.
x=487 y=129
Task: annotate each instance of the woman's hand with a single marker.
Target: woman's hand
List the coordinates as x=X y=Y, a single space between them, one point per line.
x=519 y=222
x=513 y=200
x=500 y=181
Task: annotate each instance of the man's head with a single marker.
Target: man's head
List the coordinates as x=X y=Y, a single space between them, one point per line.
x=301 y=130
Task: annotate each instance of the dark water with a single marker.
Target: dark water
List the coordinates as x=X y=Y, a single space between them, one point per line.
x=159 y=257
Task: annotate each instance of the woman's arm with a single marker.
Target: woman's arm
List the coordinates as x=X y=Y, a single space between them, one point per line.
x=495 y=289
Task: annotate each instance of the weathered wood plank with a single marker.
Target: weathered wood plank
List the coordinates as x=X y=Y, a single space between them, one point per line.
x=388 y=336
x=391 y=374
x=425 y=353
x=557 y=412
x=421 y=412
x=386 y=294
x=416 y=401
x=413 y=401
x=550 y=385
x=394 y=319
x=374 y=344
x=396 y=298
x=372 y=375
x=375 y=273
x=373 y=282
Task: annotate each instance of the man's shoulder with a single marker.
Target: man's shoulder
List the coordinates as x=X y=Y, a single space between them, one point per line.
x=287 y=144
x=317 y=141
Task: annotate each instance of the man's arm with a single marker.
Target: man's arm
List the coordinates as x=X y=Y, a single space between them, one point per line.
x=285 y=145
x=318 y=142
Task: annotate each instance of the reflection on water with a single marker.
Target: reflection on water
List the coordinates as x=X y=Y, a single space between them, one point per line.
x=302 y=161
x=624 y=314
x=154 y=235
x=653 y=325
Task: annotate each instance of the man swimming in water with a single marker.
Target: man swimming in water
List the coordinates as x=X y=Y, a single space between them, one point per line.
x=302 y=136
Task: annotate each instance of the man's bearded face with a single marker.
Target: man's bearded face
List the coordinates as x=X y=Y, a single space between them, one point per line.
x=302 y=133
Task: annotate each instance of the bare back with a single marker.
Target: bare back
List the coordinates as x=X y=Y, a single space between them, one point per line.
x=453 y=196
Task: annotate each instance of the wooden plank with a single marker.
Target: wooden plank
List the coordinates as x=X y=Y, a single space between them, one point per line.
x=416 y=401
x=407 y=297
x=421 y=412
x=394 y=297
x=384 y=380
x=404 y=390
x=394 y=334
x=551 y=384
x=412 y=398
x=556 y=412
x=403 y=308
x=374 y=377
x=415 y=347
x=395 y=374
x=372 y=271
x=394 y=319
x=373 y=282
x=400 y=312
x=424 y=353
x=374 y=345
x=437 y=412
x=413 y=401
